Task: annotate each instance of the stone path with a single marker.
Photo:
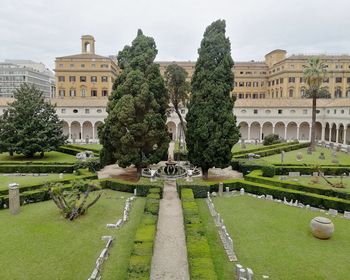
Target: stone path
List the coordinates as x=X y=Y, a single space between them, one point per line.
x=170 y=254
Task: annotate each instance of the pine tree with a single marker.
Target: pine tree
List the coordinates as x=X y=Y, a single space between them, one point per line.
x=30 y=125
x=211 y=126
x=135 y=129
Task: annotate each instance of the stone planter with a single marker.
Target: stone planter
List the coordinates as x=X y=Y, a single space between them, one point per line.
x=321 y=227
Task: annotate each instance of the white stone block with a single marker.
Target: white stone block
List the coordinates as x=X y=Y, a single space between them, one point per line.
x=333 y=212
x=347 y=215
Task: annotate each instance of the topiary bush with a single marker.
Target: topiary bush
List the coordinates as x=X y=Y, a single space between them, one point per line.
x=268 y=170
x=271 y=139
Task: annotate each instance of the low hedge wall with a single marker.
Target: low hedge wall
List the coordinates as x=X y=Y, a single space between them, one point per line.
x=198 y=187
x=74 y=150
x=36 y=168
x=35 y=187
x=141 y=256
x=262 y=148
x=256 y=176
x=200 y=260
x=303 y=196
x=309 y=169
x=82 y=148
x=142 y=188
x=313 y=199
x=272 y=151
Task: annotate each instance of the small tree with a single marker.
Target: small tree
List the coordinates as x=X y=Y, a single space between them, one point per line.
x=30 y=125
x=73 y=203
x=211 y=125
x=135 y=130
x=178 y=88
x=314 y=73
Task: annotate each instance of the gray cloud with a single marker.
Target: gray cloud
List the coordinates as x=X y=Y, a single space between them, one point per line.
x=42 y=30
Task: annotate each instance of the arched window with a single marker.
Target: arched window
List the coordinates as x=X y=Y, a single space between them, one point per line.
x=291 y=93
x=83 y=92
x=348 y=93
x=338 y=93
x=302 y=93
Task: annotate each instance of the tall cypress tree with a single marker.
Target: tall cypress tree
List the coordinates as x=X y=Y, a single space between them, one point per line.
x=135 y=129
x=30 y=125
x=211 y=125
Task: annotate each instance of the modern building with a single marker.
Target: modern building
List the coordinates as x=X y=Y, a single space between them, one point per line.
x=85 y=75
x=13 y=73
x=281 y=76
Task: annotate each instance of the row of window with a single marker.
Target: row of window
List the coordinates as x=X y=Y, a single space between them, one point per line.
x=251 y=95
x=280 y=81
x=83 y=79
x=83 y=92
x=249 y=84
x=279 y=111
x=251 y=73
x=93 y=65
x=76 y=111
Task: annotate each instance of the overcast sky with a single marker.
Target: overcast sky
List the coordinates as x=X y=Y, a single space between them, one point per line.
x=44 y=29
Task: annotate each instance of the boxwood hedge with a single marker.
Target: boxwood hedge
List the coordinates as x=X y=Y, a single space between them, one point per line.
x=141 y=256
x=200 y=260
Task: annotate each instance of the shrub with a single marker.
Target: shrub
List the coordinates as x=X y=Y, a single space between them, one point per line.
x=271 y=139
x=93 y=164
x=141 y=256
x=268 y=171
x=256 y=177
x=200 y=261
x=36 y=168
x=126 y=186
x=199 y=188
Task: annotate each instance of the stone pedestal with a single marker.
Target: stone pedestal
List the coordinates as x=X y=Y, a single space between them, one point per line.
x=14 y=203
x=221 y=188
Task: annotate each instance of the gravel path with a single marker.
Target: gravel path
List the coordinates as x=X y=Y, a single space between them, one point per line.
x=170 y=254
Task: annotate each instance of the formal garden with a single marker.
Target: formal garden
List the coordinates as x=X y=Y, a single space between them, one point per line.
x=131 y=208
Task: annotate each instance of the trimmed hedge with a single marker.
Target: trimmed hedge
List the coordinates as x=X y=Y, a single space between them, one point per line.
x=200 y=260
x=303 y=195
x=309 y=169
x=142 y=188
x=264 y=148
x=256 y=176
x=268 y=151
x=73 y=150
x=36 y=168
x=83 y=176
x=198 y=187
x=141 y=256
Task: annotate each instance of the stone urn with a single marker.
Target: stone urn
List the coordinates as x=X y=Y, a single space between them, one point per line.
x=322 y=227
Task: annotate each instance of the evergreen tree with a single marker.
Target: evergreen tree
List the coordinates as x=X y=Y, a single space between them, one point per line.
x=211 y=126
x=30 y=125
x=178 y=88
x=135 y=129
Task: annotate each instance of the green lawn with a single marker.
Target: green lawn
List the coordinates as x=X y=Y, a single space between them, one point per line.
x=89 y=146
x=321 y=183
x=275 y=240
x=237 y=147
x=31 y=180
x=49 y=157
x=39 y=244
x=290 y=157
x=223 y=267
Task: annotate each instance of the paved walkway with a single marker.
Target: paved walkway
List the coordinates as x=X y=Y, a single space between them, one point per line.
x=169 y=260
